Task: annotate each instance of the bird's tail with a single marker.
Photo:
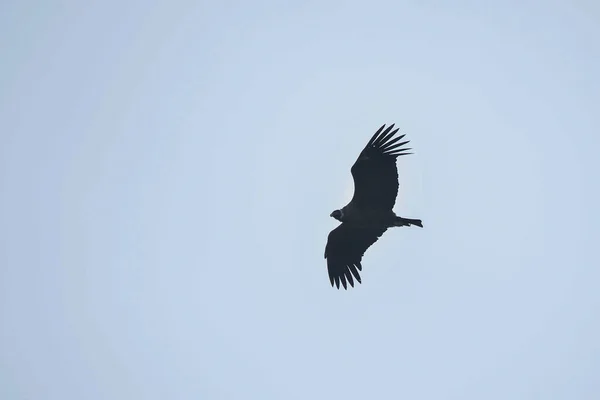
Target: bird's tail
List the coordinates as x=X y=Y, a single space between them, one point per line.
x=399 y=221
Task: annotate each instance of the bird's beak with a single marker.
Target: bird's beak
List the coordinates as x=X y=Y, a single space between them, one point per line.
x=331 y=215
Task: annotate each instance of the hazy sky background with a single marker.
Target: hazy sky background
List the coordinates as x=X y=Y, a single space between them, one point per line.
x=167 y=171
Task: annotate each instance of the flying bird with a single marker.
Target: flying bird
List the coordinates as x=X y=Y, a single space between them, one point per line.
x=369 y=214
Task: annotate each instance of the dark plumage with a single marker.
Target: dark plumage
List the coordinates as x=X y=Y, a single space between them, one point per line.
x=369 y=214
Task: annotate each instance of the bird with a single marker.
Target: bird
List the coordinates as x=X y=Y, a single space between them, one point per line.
x=369 y=214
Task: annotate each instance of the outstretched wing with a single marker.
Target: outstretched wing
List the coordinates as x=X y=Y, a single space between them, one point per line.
x=345 y=248
x=375 y=173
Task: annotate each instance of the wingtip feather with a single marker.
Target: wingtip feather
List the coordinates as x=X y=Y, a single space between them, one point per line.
x=383 y=136
x=343 y=279
x=375 y=135
x=400 y=153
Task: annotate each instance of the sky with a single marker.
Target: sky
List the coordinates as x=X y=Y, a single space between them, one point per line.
x=167 y=171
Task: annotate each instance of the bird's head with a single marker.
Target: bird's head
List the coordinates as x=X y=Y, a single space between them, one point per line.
x=337 y=214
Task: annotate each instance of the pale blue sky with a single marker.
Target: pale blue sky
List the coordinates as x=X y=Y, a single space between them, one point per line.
x=167 y=171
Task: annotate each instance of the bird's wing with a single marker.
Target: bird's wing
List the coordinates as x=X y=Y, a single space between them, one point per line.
x=375 y=173
x=345 y=247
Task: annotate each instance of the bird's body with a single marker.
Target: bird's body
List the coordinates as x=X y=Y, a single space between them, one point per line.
x=361 y=216
x=369 y=214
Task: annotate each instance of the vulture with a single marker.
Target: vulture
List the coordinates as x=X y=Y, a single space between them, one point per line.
x=369 y=214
